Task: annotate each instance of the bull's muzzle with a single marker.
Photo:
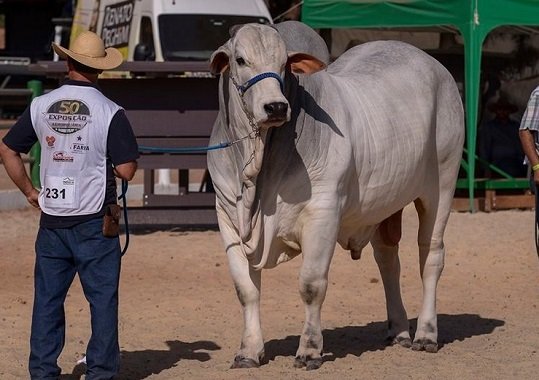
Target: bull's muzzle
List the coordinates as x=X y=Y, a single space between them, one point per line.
x=276 y=111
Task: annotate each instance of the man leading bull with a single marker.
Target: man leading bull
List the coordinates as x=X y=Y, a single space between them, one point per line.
x=86 y=142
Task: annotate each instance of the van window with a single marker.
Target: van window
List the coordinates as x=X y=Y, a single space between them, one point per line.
x=189 y=37
x=146 y=32
x=144 y=51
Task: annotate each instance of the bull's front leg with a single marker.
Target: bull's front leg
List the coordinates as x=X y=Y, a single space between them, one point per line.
x=247 y=284
x=318 y=249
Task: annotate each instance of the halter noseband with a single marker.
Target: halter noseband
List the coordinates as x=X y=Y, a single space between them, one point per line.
x=242 y=88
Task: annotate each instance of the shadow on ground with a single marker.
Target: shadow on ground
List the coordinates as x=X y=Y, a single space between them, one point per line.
x=338 y=343
x=355 y=340
x=138 y=365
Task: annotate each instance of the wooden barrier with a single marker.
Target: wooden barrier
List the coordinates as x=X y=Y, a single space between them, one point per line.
x=12 y=99
x=170 y=113
x=495 y=194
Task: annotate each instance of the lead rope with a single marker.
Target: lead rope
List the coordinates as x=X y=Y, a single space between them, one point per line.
x=195 y=149
x=123 y=197
x=255 y=129
x=255 y=132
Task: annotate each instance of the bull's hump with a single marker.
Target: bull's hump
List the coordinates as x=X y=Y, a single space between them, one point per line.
x=374 y=58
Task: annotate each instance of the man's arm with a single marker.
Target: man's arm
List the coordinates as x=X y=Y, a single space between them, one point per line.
x=528 y=146
x=122 y=147
x=17 y=172
x=528 y=128
x=126 y=171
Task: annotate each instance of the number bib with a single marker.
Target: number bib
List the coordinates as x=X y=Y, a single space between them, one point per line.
x=60 y=191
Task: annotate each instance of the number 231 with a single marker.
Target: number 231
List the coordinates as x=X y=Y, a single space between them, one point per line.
x=55 y=193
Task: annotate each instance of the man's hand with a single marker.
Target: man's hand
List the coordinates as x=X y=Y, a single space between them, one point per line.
x=32 y=198
x=536 y=177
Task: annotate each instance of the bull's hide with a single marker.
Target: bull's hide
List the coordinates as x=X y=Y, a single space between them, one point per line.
x=334 y=155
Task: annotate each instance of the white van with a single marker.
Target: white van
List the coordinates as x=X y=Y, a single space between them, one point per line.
x=166 y=30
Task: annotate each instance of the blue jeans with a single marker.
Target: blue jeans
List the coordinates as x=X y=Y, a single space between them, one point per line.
x=60 y=254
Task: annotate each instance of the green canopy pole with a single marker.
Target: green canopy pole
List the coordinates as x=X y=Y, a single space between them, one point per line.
x=473 y=33
x=472 y=67
x=35 y=152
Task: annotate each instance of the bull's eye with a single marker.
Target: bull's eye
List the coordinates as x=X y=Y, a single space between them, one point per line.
x=240 y=61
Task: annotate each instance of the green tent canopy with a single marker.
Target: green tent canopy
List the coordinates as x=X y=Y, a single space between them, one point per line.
x=474 y=19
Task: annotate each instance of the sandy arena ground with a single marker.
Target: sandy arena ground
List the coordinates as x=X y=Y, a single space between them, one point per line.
x=180 y=319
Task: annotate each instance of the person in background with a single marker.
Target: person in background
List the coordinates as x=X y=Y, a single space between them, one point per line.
x=529 y=127
x=500 y=143
x=86 y=142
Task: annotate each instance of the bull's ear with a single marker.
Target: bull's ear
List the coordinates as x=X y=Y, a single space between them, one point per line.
x=302 y=63
x=219 y=60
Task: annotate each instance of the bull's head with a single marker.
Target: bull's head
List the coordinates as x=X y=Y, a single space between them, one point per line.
x=256 y=59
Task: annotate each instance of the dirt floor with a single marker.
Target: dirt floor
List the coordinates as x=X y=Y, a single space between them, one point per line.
x=180 y=318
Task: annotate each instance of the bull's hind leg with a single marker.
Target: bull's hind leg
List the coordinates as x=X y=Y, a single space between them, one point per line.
x=386 y=251
x=247 y=283
x=433 y=216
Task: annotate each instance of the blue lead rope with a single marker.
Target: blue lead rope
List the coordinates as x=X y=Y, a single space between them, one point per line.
x=194 y=149
x=154 y=149
x=123 y=197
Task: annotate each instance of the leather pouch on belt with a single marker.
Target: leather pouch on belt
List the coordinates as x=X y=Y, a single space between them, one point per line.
x=111 y=220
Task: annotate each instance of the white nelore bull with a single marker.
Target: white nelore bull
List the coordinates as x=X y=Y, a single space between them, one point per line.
x=332 y=156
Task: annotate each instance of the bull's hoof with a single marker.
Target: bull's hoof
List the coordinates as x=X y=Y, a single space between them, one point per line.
x=243 y=362
x=401 y=341
x=313 y=364
x=425 y=345
x=307 y=362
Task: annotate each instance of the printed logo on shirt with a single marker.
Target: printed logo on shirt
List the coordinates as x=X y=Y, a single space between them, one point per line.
x=62 y=157
x=68 y=181
x=67 y=116
x=79 y=148
x=50 y=141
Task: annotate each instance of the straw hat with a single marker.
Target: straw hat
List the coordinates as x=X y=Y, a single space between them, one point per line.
x=88 y=49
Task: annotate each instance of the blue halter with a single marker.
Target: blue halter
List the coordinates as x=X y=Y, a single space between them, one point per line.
x=257 y=78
